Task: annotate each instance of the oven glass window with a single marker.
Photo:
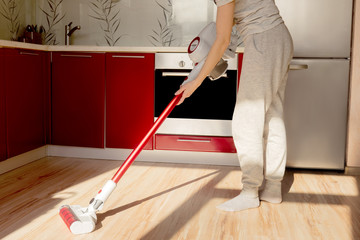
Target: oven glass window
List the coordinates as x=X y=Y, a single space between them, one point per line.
x=212 y=100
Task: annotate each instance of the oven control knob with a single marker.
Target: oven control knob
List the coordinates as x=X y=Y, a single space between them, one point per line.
x=181 y=64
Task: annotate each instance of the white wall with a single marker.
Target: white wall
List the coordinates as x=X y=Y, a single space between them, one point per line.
x=136 y=22
x=13 y=17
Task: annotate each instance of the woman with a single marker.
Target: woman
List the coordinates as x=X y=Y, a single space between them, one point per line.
x=257 y=125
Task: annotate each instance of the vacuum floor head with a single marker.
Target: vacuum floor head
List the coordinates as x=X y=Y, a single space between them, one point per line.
x=79 y=220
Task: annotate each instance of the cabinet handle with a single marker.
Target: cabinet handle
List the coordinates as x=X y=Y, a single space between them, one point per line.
x=298 y=66
x=29 y=53
x=193 y=140
x=182 y=74
x=79 y=56
x=127 y=56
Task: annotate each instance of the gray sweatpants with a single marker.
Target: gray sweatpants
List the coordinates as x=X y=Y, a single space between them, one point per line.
x=258 y=125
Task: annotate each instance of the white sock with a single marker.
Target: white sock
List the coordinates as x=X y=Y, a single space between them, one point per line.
x=271 y=192
x=245 y=200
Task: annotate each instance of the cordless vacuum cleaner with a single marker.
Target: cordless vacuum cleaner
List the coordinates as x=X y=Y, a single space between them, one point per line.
x=81 y=220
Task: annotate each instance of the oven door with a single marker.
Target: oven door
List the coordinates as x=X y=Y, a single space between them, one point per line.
x=209 y=110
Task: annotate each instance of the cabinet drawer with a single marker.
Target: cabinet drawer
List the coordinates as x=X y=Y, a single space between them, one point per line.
x=194 y=143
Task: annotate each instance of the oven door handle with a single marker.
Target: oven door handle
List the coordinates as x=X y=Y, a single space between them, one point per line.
x=175 y=74
x=181 y=74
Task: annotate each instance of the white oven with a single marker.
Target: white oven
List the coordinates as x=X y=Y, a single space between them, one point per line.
x=208 y=112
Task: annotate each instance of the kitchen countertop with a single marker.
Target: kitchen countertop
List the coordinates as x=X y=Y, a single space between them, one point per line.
x=83 y=48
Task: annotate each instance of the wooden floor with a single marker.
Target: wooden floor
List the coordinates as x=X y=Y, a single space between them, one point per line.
x=160 y=201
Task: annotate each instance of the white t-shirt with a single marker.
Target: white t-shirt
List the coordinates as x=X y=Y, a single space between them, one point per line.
x=254 y=16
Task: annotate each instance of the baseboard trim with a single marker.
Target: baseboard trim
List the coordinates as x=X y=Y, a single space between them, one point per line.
x=210 y=158
x=182 y=157
x=352 y=171
x=22 y=159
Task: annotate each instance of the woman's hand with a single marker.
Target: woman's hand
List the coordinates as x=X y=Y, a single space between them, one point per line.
x=187 y=89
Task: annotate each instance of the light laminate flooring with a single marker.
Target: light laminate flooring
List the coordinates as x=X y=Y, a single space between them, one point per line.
x=160 y=201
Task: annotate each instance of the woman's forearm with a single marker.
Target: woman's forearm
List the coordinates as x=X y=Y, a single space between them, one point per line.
x=216 y=52
x=224 y=23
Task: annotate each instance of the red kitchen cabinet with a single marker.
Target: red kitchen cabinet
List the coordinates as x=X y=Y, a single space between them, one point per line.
x=78 y=95
x=46 y=66
x=129 y=99
x=2 y=109
x=25 y=78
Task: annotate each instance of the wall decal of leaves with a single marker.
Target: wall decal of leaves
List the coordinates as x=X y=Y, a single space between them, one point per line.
x=53 y=17
x=163 y=36
x=106 y=13
x=10 y=10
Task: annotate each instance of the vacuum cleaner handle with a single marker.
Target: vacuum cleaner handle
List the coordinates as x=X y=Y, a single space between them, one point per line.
x=143 y=142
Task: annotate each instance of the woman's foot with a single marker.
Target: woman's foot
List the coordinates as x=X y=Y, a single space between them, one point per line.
x=245 y=200
x=271 y=192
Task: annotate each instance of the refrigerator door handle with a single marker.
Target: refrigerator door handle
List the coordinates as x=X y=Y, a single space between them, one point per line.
x=298 y=66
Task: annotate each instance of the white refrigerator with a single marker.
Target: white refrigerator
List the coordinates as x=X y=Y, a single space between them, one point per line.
x=317 y=89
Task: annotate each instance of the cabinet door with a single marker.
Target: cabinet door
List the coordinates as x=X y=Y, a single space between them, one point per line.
x=78 y=85
x=2 y=109
x=47 y=96
x=129 y=99
x=24 y=76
